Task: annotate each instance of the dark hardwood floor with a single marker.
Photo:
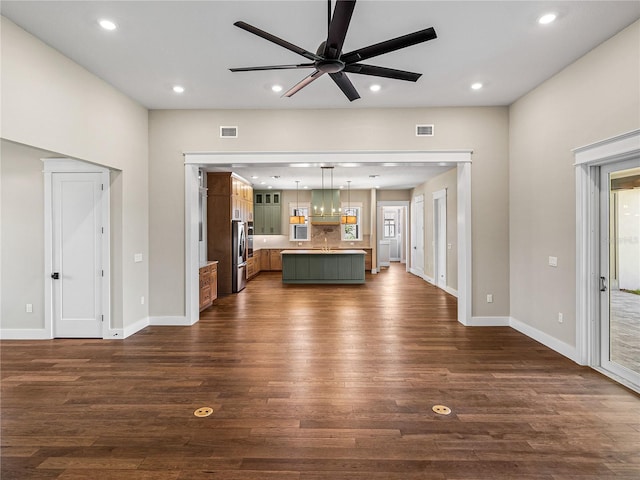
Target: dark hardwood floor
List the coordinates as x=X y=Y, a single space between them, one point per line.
x=314 y=383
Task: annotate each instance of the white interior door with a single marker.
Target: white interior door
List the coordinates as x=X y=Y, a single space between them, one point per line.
x=76 y=255
x=619 y=331
x=440 y=238
x=417 y=236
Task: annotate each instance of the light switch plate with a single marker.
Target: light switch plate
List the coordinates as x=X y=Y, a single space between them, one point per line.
x=137 y=258
x=553 y=261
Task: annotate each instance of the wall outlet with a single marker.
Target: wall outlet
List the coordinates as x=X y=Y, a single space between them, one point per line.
x=553 y=261
x=142 y=300
x=29 y=308
x=489 y=298
x=560 y=317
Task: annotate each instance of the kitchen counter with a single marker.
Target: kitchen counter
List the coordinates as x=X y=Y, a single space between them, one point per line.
x=316 y=251
x=301 y=266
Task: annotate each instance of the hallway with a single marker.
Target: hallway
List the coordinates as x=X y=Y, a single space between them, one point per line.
x=314 y=383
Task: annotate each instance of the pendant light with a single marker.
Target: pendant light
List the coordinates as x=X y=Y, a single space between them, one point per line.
x=324 y=210
x=297 y=219
x=346 y=218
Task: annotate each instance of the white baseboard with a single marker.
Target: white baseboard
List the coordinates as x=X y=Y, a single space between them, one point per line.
x=24 y=334
x=490 y=322
x=170 y=321
x=135 y=328
x=451 y=291
x=547 y=340
x=115 y=334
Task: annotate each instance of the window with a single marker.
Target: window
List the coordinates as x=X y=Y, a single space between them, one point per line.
x=352 y=232
x=299 y=232
x=389 y=225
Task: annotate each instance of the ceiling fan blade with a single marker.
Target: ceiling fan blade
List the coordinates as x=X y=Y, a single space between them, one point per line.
x=382 y=72
x=277 y=40
x=389 y=45
x=303 y=83
x=345 y=85
x=338 y=28
x=273 y=67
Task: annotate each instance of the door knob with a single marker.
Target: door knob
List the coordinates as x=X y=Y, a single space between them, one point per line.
x=55 y=275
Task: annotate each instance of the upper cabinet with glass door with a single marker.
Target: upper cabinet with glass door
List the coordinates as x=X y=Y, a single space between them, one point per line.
x=267 y=212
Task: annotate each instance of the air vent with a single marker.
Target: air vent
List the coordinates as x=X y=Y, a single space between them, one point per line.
x=228 y=132
x=424 y=130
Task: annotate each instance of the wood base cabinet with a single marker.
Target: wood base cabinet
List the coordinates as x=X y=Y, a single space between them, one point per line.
x=208 y=284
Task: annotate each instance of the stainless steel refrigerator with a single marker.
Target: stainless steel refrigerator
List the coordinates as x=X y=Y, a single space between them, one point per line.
x=239 y=256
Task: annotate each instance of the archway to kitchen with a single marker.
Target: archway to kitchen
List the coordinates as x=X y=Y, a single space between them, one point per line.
x=194 y=161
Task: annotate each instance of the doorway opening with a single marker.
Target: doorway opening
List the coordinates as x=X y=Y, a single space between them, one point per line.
x=393 y=242
x=604 y=247
x=619 y=344
x=460 y=158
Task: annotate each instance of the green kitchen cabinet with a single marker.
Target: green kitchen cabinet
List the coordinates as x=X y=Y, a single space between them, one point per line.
x=267 y=212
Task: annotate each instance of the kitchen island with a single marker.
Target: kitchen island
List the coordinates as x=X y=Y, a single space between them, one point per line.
x=323 y=266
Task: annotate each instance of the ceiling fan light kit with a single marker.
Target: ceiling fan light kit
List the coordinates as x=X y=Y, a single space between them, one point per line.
x=329 y=58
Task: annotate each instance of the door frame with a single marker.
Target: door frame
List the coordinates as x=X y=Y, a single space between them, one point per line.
x=439 y=196
x=69 y=165
x=460 y=158
x=588 y=160
x=414 y=237
x=404 y=205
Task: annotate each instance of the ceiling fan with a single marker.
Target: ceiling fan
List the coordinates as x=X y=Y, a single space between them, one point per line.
x=330 y=59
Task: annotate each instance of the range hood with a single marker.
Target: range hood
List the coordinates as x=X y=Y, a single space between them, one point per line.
x=322 y=201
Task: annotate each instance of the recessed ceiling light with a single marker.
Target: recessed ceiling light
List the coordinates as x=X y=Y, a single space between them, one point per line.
x=375 y=88
x=262 y=183
x=254 y=176
x=269 y=187
x=178 y=89
x=276 y=88
x=476 y=86
x=107 y=24
x=547 y=18
x=305 y=187
x=377 y=186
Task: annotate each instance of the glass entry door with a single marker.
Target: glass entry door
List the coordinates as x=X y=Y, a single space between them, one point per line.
x=620 y=270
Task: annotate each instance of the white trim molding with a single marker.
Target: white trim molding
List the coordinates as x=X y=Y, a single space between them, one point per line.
x=171 y=321
x=547 y=340
x=588 y=160
x=461 y=158
x=490 y=322
x=620 y=147
x=25 y=334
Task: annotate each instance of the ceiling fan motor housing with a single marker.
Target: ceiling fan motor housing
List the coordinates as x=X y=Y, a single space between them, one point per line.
x=329 y=66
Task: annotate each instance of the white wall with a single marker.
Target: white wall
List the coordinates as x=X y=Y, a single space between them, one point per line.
x=595 y=98
x=50 y=103
x=448 y=181
x=485 y=130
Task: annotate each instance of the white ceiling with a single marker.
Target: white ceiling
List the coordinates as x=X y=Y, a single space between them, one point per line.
x=193 y=43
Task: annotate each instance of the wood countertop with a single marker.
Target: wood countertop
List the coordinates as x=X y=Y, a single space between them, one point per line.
x=323 y=252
